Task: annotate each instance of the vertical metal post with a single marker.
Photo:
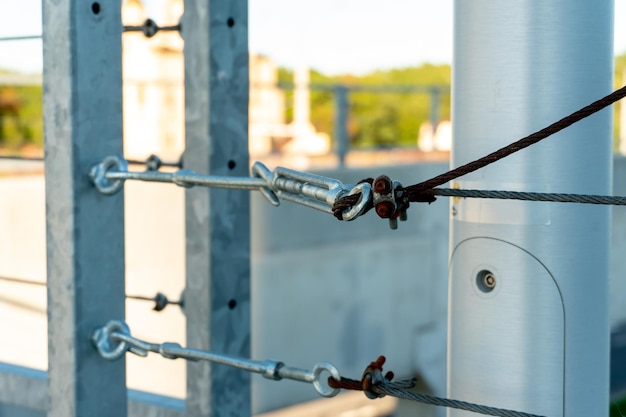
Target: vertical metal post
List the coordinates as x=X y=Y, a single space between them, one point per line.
x=341 y=122
x=85 y=230
x=217 y=295
x=528 y=290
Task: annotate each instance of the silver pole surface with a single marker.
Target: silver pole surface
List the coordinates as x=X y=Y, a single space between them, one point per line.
x=528 y=291
x=85 y=229
x=217 y=295
x=342 y=108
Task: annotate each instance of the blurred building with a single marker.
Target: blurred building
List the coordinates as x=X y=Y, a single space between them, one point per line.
x=435 y=138
x=153 y=71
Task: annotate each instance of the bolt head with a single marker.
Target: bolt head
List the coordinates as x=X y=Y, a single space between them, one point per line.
x=382 y=185
x=385 y=209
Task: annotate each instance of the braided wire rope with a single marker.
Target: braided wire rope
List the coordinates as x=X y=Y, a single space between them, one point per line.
x=425 y=191
x=375 y=385
x=23 y=281
x=531 y=196
x=520 y=144
x=387 y=389
x=19 y=38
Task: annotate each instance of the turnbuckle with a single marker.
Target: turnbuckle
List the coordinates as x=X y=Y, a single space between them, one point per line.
x=310 y=190
x=114 y=339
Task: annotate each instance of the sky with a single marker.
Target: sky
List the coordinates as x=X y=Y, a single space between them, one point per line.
x=332 y=36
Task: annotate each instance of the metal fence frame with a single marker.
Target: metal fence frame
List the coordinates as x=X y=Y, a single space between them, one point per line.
x=85 y=230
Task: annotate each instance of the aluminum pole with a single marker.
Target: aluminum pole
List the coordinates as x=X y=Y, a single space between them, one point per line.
x=528 y=290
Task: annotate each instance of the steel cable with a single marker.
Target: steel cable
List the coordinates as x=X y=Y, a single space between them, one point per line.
x=531 y=196
x=386 y=389
x=523 y=143
x=425 y=191
x=19 y=38
x=375 y=385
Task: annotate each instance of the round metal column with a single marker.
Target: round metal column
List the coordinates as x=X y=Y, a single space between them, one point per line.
x=528 y=291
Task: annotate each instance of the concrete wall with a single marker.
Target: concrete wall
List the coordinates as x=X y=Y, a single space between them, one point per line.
x=322 y=289
x=617 y=303
x=348 y=292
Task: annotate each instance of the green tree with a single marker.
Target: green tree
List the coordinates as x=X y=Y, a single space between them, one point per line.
x=377 y=118
x=21 y=116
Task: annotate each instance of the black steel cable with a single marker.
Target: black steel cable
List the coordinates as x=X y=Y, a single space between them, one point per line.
x=160 y=300
x=23 y=281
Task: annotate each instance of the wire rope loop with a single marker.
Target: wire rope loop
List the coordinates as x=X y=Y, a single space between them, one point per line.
x=317 y=372
x=364 y=190
x=98 y=174
x=108 y=347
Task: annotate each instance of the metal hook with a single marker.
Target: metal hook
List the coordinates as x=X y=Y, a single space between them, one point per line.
x=108 y=347
x=98 y=172
x=365 y=191
x=317 y=372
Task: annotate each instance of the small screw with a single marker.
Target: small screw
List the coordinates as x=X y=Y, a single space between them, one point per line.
x=486 y=280
x=489 y=280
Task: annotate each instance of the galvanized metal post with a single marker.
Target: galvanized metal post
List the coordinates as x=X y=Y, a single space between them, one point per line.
x=341 y=122
x=85 y=230
x=217 y=296
x=528 y=293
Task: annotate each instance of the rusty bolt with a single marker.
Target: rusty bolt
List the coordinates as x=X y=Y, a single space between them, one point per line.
x=382 y=185
x=385 y=209
x=379 y=362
